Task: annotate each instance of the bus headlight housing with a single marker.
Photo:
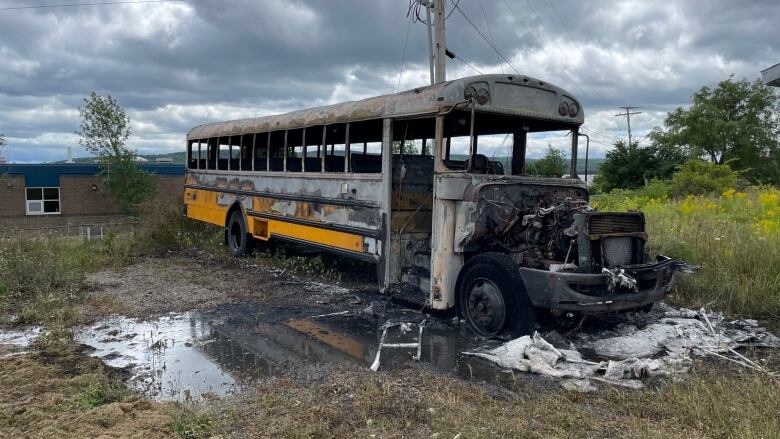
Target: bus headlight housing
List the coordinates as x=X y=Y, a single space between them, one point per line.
x=479 y=91
x=570 y=109
x=563 y=109
x=574 y=109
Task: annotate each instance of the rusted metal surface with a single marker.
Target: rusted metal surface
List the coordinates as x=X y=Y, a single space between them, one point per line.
x=510 y=94
x=323 y=201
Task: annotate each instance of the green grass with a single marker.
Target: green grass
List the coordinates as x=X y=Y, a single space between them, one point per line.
x=735 y=237
x=417 y=403
x=190 y=424
x=42 y=277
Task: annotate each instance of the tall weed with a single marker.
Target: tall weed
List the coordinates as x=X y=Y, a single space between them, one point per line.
x=735 y=237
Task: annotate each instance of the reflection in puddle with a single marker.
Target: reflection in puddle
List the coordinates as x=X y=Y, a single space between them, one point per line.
x=179 y=356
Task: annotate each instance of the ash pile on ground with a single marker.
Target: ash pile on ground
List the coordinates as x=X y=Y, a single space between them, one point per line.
x=662 y=343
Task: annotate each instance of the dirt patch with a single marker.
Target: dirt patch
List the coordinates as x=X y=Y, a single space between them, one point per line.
x=180 y=283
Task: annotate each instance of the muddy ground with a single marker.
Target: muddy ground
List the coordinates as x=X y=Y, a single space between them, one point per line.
x=197 y=281
x=197 y=346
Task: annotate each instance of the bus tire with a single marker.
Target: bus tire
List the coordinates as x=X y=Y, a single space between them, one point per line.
x=239 y=241
x=492 y=297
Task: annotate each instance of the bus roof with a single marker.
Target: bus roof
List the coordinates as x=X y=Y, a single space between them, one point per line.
x=507 y=94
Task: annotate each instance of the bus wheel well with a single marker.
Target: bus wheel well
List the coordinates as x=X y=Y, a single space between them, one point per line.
x=235 y=206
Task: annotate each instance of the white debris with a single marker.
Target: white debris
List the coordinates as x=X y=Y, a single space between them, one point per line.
x=628 y=353
x=619 y=278
x=582 y=386
x=536 y=355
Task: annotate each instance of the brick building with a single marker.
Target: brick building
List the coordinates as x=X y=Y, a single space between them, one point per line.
x=68 y=196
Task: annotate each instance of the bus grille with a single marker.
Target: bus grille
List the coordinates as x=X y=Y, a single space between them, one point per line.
x=607 y=223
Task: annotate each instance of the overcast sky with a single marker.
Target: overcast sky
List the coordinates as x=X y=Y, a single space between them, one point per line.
x=179 y=64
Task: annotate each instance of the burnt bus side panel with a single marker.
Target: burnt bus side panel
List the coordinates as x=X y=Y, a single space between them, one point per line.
x=332 y=212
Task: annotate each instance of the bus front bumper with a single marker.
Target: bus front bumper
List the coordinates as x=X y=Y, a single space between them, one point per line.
x=588 y=292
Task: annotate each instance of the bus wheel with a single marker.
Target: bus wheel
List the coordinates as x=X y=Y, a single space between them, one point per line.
x=492 y=297
x=239 y=242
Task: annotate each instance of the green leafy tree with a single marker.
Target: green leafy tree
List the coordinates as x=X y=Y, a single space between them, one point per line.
x=737 y=121
x=409 y=148
x=105 y=128
x=625 y=167
x=552 y=164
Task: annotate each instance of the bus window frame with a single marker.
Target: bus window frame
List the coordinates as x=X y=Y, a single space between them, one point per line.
x=216 y=142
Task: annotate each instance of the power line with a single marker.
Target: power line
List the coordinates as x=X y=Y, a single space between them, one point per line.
x=541 y=46
x=466 y=62
x=549 y=34
x=490 y=32
x=70 y=5
x=403 y=55
x=628 y=115
x=577 y=47
x=599 y=133
x=490 y=43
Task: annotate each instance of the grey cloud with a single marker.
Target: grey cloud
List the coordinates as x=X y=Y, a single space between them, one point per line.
x=174 y=66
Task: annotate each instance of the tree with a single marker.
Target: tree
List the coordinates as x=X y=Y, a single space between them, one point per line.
x=737 y=121
x=409 y=148
x=105 y=128
x=631 y=166
x=624 y=167
x=552 y=164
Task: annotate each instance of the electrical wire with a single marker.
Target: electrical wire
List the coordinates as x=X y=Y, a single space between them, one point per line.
x=454 y=5
x=490 y=43
x=550 y=57
x=577 y=47
x=490 y=32
x=563 y=53
x=70 y=5
x=403 y=55
x=467 y=63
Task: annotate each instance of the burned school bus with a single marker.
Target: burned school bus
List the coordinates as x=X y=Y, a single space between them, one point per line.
x=411 y=182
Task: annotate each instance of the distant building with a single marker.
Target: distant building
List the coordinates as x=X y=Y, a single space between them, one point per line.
x=69 y=195
x=771 y=76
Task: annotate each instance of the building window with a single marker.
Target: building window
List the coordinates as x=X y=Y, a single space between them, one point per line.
x=43 y=200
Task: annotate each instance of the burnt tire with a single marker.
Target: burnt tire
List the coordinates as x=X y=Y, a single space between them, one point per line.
x=492 y=297
x=239 y=241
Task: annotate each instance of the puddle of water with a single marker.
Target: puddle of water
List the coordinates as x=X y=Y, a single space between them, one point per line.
x=13 y=341
x=166 y=356
x=182 y=356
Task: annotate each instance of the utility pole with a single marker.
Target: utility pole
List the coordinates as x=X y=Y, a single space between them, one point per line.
x=628 y=115
x=440 y=72
x=427 y=5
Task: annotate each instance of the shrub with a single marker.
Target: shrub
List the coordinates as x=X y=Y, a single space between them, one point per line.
x=164 y=228
x=697 y=177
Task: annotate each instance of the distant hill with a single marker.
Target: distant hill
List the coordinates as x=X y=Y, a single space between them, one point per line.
x=178 y=158
x=593 y=163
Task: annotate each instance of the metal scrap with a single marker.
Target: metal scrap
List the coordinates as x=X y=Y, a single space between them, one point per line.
x=403 y=327
x=618 y=278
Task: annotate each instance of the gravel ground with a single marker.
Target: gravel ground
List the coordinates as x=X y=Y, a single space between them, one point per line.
x=179 y=283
